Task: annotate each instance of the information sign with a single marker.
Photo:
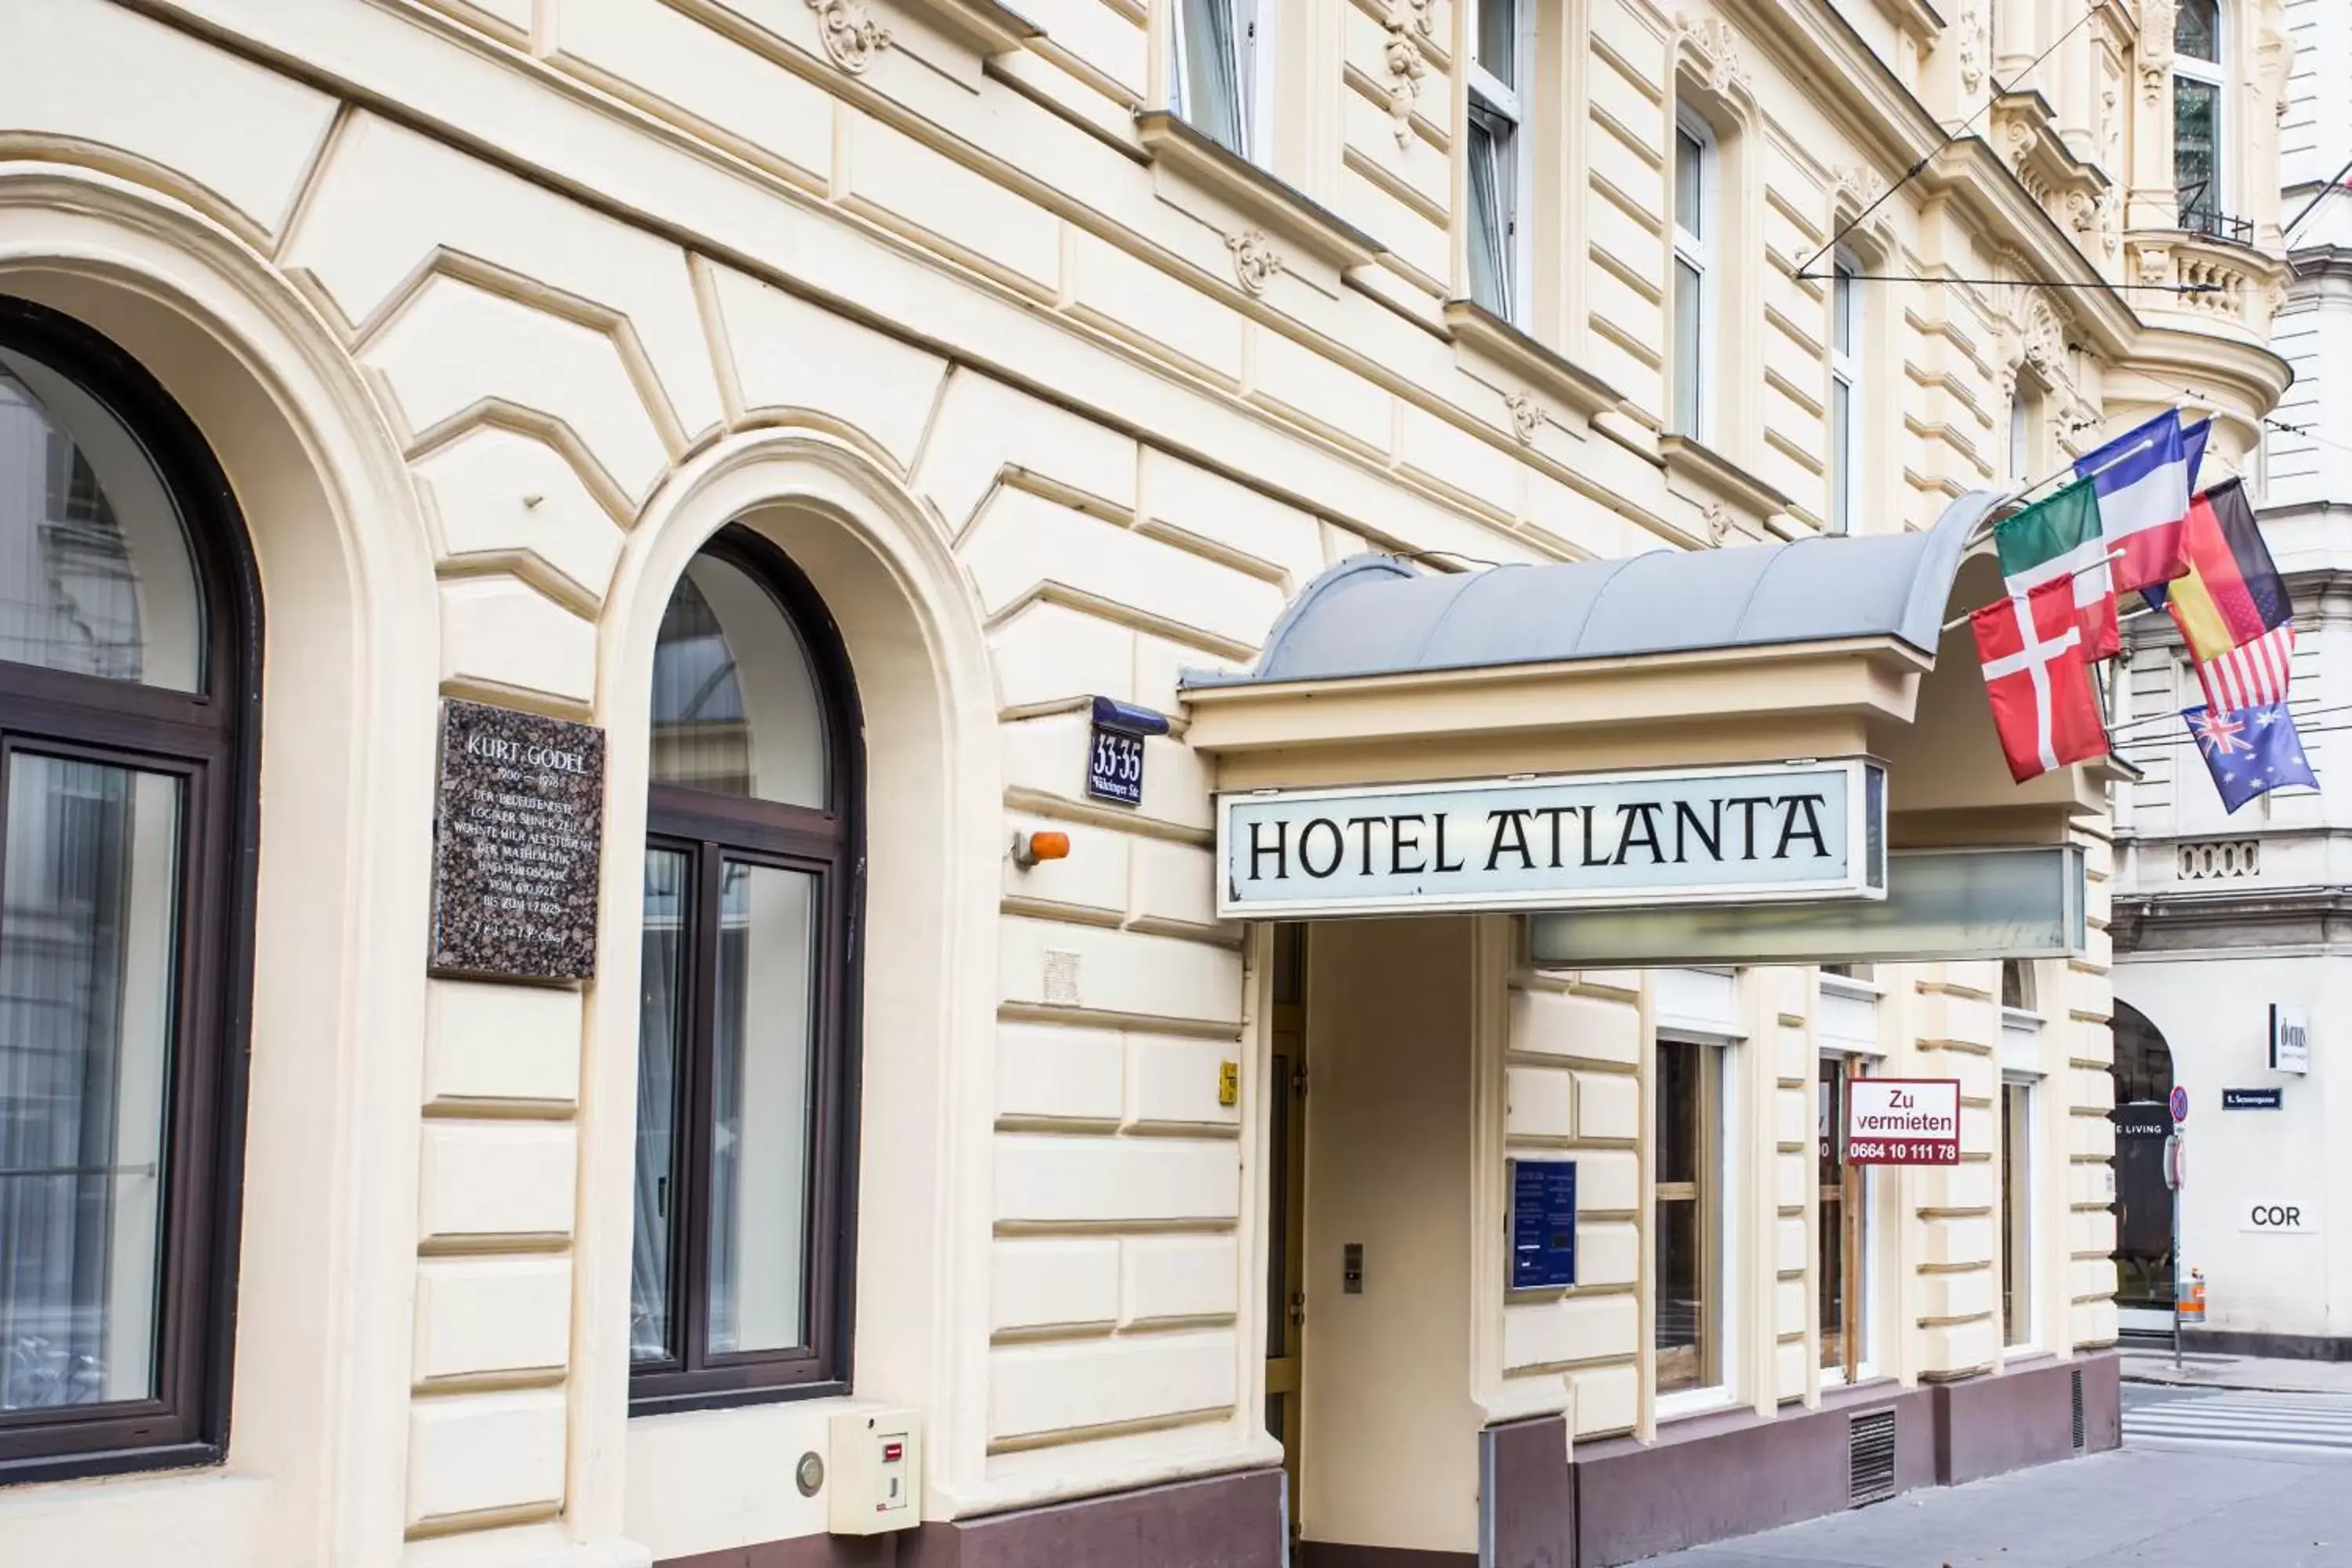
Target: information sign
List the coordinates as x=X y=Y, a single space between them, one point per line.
x=1543 y=1224
x=1902 y=1122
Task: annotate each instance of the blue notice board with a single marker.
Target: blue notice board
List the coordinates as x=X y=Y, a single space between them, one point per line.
x=1543 y=1223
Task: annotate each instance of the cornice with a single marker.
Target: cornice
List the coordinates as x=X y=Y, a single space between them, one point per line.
x=1918 y=18
x=2210 y=369
x=988 y=27
x=1175 y=145
x=1972 y=171
x=1719 y=478
x=1479 y=331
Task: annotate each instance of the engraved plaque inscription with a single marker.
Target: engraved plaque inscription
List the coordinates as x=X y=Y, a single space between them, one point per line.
x=517 y=832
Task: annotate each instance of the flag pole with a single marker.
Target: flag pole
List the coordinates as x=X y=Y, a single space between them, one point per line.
x=2109 y=559
x=2011 y=498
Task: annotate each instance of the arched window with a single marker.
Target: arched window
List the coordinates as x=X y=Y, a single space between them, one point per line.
x=129 y=671
x=746 y=1061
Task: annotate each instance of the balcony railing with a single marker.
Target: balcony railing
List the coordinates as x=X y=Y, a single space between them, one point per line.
x=2200 y=217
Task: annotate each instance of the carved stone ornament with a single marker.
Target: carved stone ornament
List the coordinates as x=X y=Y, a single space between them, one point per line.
x=1713 y=48
x=1974 y=46
x=2045 y=341
x=1256 y=261
x=1406 y=67
x=1526 y=416
x=850 y=37
x=1414 y=14
x=2151 y=265
x=1717 y=518
x=2156 y=19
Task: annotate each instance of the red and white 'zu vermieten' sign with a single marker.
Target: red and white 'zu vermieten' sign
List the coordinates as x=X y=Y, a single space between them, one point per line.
x=1902 y=1122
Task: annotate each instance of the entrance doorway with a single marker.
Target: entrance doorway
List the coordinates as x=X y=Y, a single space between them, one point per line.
x=2144 y=1263
x=1285 y=1204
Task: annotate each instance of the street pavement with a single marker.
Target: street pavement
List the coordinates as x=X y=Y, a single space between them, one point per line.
x=2206 y=1479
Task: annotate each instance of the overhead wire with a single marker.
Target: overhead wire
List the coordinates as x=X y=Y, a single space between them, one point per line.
x=1915 y=170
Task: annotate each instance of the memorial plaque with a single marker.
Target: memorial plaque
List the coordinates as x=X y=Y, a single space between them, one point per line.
x=516 y=833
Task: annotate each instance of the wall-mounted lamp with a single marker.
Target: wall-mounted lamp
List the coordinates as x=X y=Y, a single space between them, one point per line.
x=1028 y=849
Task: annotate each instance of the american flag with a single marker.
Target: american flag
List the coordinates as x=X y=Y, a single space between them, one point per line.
x=2252 y=676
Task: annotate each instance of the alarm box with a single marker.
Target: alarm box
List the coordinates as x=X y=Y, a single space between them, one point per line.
x=876 y=1483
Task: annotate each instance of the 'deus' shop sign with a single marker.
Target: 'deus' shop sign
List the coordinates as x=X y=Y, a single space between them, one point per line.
x=1755 y=833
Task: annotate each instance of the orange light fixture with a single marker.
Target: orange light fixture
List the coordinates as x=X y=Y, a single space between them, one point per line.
x=1028 y=849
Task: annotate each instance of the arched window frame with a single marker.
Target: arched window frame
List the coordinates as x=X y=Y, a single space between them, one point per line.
x=711 y=828
x=209 y=740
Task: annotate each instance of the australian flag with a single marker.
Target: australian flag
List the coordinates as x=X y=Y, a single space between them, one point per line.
x=2250 y=751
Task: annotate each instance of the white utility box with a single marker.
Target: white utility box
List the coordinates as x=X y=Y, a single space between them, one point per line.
x=875 y=1480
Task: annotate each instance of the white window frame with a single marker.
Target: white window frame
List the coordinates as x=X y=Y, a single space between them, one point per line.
x=2030 y=1242
x=1692 y=365
x=1849 y=461
x=1493 y=98
x=2020 y=434
x=2211 y=73
x=1253 y=34
x=1729 y=1285
x=1866 y=1280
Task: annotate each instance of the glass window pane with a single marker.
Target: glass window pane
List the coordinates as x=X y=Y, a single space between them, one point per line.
x=1211 y=84
x=1690 y=316
x=662 y=984
x=761 y=1093
x=1489 y=247
x=2017 y=1208
x=1843 y=305
x=1690 y=184
x=2197 y=29
x=1841 y=456
x=1498 y=39
x=2019 y=429
x=95 y=573
x=88 y=929
x=2195 y=118
x=735 y=709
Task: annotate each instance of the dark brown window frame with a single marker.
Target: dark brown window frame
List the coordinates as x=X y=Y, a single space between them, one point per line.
x=211 y=739
x=712 y=829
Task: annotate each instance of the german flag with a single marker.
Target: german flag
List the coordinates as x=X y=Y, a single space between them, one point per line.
x=2231 y=592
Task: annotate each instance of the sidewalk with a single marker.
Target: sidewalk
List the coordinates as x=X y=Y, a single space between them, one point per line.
x=2205 y=1369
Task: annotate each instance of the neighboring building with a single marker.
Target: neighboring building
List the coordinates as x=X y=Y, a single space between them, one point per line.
x=2221 y=918
x=828 y=400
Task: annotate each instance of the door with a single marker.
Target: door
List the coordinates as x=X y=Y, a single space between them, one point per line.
x=1285 y=1201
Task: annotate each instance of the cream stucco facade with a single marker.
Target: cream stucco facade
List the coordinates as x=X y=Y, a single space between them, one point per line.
x=494 y=311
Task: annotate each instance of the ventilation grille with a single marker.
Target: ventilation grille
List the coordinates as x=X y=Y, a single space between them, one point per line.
x=1870 y=1458
x=2219 y=859
x=2078 y=1408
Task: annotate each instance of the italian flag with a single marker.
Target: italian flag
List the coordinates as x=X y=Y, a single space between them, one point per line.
x=2060 y=539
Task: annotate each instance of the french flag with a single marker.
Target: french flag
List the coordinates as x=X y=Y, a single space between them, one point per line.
x=2144 y=478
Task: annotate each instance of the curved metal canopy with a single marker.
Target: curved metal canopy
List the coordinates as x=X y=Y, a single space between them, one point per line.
x=1375 y=614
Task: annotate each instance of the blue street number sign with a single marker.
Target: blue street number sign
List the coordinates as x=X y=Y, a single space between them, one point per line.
x=1114 y=750
x=1543 y=1224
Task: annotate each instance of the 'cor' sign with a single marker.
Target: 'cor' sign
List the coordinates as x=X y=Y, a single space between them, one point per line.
x=1769 y=833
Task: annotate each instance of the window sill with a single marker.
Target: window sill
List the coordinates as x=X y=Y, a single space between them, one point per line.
x=1719 y=480
x=1287 y=214
x=1482 y=332
x=1697 y=1402
x=988 y=27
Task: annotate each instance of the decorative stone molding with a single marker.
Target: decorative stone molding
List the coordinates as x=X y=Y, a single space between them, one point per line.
x=2026 y=135
x=1711 y=479
x=851 y=37
x=1712 y=45
x=2156 y=19
x=2226 y=290
x=1251 y=208
x=1717 y=518
x=1975 y=45
x=1406 y=67
x=1526 y=416
x=1256 y=261
x=1480 y=332
x=988 y=26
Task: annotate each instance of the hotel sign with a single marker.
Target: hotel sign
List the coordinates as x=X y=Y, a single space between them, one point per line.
x=1753 y=834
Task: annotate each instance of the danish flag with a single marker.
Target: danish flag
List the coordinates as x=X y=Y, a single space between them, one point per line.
x=2255 y=675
